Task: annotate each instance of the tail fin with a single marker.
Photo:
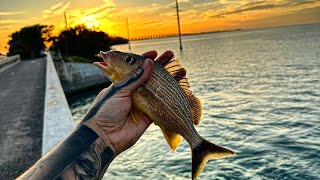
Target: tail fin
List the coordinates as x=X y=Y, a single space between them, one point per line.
x=205 y=151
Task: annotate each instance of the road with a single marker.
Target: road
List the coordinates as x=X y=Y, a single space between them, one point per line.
x=22 y=92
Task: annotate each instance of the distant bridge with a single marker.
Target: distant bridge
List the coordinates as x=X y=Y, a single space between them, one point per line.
x=154 y=36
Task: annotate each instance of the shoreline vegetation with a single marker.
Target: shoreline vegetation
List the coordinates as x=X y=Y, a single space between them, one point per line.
x=32 y=41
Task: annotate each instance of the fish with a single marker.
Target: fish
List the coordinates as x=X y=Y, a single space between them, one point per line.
x=166 y=100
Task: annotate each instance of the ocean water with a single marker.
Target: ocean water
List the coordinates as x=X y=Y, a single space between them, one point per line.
x=260 y=91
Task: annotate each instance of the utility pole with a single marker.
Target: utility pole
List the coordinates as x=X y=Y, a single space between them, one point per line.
x=66 y=20
x=177 y=7
x=128 y=34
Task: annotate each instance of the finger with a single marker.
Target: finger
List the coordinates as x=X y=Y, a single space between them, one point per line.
x=165 y=58
x=179 y=74
x=150 y=54
x=147 y=70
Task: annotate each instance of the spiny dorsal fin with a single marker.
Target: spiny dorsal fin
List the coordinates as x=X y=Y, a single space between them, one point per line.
x=184 y=83
x=175 y=68
x=173 y=65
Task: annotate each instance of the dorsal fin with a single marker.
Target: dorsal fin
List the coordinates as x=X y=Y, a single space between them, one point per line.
x=196 y=108
x=184 y=83
x=173 y=65
x=175 y=68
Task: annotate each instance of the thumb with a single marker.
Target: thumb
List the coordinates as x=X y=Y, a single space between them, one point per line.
x=147 y=71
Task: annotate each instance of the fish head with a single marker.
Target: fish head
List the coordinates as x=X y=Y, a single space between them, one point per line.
x=119 y=67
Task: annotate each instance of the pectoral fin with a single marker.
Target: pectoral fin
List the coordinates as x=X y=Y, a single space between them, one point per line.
x=173 y=139
x=136 y=114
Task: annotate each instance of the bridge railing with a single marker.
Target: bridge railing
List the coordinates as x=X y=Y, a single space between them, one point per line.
x=8 y=62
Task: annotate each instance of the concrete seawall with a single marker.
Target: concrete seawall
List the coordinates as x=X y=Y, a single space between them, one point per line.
x=79 y=76
x=58 y=122
x=74 y=77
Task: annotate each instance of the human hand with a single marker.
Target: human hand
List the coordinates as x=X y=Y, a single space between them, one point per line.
x=112 y=122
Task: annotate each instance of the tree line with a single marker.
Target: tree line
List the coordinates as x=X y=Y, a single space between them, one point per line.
x=78 y=41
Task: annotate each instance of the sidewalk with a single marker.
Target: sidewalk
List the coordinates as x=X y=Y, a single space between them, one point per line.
x=22 y=91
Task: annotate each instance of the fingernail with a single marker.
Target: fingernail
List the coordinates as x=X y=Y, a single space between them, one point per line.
x=169 y=54
x=146 y=64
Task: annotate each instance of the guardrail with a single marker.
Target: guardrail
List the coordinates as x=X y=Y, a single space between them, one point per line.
x=8 y=62
x=57 y=122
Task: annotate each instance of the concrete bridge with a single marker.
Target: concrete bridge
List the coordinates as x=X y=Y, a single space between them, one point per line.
x=35 y=115
x=154 y=36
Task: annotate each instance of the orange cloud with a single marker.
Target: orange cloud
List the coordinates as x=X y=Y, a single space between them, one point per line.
x=11 y=13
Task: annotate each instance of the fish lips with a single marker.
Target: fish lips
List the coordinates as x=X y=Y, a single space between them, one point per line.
x=105 y=56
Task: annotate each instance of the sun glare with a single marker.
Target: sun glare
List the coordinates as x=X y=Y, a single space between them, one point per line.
x=90 y=22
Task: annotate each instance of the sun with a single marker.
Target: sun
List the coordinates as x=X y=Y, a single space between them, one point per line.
x=90 y=22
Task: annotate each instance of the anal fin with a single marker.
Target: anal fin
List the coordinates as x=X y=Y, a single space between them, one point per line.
x=173 y=139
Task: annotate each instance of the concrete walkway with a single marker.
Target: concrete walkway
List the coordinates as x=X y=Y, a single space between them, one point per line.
x=22 y=89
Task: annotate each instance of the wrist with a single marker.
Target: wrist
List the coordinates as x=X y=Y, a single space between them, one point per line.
x=93 y=125
x=111 y=135
x=93 y=162
x=83 y=152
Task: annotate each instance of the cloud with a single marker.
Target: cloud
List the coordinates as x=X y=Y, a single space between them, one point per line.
x=56 y=9
x=207 y=4
x=61 y=9
x=100 y=12
x=106 y=8
x=56 y=6
x=257 y=6
x=10 y=21
x=11 y=13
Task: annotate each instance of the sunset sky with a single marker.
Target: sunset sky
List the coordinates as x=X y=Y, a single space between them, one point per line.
x=151 y=17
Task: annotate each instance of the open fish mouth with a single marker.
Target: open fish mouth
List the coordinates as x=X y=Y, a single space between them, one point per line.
x=106 y=68
x=116 y=74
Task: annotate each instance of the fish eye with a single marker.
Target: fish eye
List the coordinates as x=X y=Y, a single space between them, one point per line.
x=130 y=60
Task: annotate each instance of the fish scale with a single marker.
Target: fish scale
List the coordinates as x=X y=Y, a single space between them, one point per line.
x=175 y=105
